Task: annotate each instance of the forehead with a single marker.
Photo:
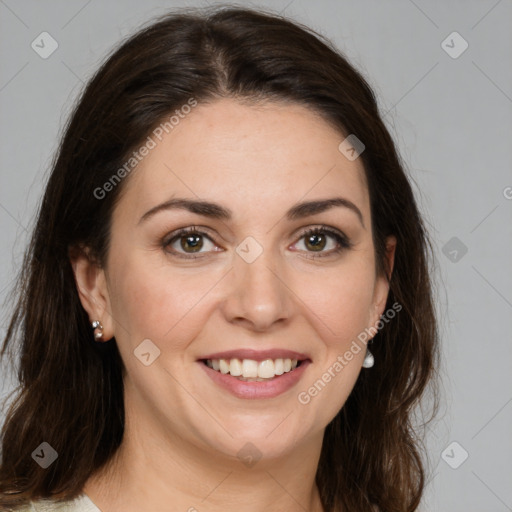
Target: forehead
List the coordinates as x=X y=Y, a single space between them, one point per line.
x=270 y=154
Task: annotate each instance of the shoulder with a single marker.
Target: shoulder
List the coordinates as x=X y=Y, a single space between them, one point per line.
x=80 y=504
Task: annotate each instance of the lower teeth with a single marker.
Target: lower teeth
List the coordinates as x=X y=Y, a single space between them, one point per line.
x=255 y=379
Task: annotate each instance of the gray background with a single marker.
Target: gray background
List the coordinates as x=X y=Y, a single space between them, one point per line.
x=452 y=120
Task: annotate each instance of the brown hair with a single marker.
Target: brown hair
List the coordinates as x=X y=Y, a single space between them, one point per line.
x=71 y=388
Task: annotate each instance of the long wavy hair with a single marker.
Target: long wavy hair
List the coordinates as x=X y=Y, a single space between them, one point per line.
x=70 y=391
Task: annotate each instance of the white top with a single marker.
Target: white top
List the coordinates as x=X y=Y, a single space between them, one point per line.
x=80 y=504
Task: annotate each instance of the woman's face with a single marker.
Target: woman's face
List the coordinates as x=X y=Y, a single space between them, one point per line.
x=248 y=281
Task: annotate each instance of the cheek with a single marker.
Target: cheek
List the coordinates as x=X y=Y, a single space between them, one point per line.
x=340 y=299
x=158 y=303
x=338 y=306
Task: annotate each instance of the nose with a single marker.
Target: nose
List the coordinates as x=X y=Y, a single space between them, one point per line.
x=258 y=296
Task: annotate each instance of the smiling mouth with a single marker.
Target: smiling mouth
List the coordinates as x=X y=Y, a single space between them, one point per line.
x=250 y=370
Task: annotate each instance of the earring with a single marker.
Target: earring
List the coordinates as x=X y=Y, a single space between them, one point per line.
x=368 y=359
x=97 y=325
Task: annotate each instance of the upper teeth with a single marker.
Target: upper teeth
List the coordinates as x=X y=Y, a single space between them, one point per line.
x=249 y=368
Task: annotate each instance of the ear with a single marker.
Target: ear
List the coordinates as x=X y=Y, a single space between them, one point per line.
x=381 y=289
x=92 y=289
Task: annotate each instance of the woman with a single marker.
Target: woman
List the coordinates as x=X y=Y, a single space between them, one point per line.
x=226 y=228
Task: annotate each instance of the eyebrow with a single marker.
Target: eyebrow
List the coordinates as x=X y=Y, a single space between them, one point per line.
x=216 y=211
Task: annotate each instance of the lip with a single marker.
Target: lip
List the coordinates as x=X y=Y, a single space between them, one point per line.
x=257 y=355
x=254 y=390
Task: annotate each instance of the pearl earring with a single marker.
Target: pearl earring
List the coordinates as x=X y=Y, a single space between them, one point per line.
x=368 y=359
x=97 y=325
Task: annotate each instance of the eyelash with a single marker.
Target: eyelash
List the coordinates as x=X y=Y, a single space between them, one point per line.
x=342 y=241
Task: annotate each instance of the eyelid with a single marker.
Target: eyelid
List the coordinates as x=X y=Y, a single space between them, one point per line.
x=322 y=228
x=343 y=241
x=178 y=233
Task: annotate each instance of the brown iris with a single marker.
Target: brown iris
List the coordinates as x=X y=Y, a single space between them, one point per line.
x=312 y=241
x=195 y=242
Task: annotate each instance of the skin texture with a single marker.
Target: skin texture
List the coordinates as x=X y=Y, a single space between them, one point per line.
x=183 y=432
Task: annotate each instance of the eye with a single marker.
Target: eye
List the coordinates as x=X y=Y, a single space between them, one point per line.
x=189 y=240
x=317 y=239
